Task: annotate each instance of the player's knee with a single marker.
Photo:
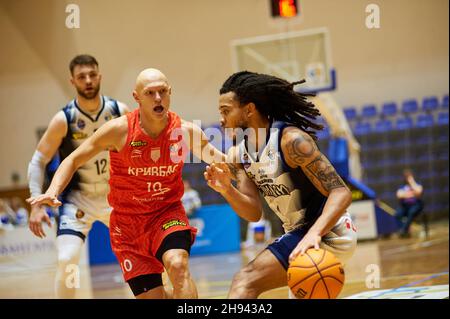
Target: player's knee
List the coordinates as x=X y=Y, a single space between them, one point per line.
x=177 y=268
x=242 y=285
x=68 y=257
x=241 y=279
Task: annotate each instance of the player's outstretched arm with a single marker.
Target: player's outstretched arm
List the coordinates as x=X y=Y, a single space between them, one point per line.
x=111 y=135
x=45 y=151
x=244 y=198
x=200 y=146
x=300 y=150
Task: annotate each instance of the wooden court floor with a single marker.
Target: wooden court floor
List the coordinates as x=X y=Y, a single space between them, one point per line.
x=408 y=262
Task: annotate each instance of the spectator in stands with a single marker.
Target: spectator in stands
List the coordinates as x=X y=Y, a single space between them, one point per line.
x=191 y=199
x=410 y=201
x=6 y=213
x=20 y=212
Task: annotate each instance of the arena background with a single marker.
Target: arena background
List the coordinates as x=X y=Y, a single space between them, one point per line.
x=406 y=59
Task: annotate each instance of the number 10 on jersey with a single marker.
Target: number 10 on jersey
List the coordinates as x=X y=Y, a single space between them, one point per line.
x=156 y=188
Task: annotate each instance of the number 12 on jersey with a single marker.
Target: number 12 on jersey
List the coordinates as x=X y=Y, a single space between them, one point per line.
x=101 y=166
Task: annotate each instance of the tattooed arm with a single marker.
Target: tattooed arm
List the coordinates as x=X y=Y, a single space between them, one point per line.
x=244 y=198
x=300 y=150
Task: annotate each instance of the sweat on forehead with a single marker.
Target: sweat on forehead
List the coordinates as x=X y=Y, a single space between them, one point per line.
x=148 y=76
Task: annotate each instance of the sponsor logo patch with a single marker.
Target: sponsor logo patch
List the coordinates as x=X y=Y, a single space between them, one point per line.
x=79 y=136
x=155 y=154
x=136 y=153
x=271 y=154
x=250 y=175
x=172 y=223
x=137 y=143
x=79 y=214
x=81 y=124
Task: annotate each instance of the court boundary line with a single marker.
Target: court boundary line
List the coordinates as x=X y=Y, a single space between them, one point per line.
x=411 y=284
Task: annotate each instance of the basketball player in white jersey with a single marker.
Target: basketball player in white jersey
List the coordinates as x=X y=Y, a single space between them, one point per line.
x=84 y=200
x=279 y=158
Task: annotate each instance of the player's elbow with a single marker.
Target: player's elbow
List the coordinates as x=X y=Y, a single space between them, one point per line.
x=71 y=163
x=254 y=217
x=347 y=196
x=255 y=213
x=344 y=194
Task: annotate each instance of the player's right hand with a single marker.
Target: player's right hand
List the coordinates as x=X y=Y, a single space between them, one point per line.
x=44 y=199
x=37 y=216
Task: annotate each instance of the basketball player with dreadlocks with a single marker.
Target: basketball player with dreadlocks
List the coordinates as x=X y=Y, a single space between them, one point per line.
x=278 y=157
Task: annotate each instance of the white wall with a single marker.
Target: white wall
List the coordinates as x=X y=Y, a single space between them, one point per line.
x=190 y=42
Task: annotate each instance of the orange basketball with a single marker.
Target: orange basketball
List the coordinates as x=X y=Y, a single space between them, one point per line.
x=318 y=274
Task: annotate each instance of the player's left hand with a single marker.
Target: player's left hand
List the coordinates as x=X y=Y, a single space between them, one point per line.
x=218 y=177
x=310 y=240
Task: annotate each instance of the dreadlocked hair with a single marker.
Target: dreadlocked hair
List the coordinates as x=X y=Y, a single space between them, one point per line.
x=274 y=98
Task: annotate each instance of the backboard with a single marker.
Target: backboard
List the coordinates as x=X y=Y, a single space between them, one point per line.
x=292 y=56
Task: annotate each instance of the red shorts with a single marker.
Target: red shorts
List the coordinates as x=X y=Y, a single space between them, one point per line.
x=135 y=238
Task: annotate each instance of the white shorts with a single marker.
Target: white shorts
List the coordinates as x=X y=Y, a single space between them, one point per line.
x=341 y=240
x=79 y=212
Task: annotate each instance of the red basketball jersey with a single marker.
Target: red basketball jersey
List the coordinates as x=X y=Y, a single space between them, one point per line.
x=146 y=175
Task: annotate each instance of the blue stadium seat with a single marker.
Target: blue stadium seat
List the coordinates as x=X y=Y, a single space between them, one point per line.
x=404 y=123
x=424 y=157
x=430 y=104
x=194 y=182
x=442 y=118
x=410 y=106
x=389 y=109
x=445 y=102
x=421 y=175
x=350 y=113
x=369 y=111
x=323 y=134
x=362 y=128
x=320 y=120
x=424 y=120
x=382 y=126
x=216 y=125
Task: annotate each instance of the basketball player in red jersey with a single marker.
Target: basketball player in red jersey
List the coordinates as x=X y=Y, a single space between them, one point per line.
x=149 y=229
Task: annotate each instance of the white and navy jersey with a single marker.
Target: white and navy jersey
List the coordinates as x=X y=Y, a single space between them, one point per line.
x=91 y=178
x=287 y=191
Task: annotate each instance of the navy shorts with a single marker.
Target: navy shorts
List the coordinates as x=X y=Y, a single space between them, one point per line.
x=341 y=241
x=284 y=245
